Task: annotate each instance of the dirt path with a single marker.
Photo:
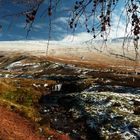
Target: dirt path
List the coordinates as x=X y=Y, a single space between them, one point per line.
x=15 y=127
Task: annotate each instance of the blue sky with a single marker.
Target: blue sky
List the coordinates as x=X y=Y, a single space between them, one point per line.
x=13 y=26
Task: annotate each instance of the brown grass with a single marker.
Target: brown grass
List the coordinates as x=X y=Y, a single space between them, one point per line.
x=15 y=127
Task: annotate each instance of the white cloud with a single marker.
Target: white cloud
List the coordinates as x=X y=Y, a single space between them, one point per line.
x=118 y=28
x=61 y=20
x=57 y=28
x=40 y=25
x=78 y=38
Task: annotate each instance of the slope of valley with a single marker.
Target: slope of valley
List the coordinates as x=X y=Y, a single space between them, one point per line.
x=55 y=98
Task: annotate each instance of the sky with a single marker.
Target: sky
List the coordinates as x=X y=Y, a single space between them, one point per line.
x=13 y=27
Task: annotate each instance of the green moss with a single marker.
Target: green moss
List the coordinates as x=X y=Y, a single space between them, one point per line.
x=19 y=96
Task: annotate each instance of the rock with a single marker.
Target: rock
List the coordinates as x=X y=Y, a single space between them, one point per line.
x=137 y=111
x=57 y=87
x=128 y=136
x=45 y=85
x=116 y=104
x=108 y=99
x=36 y=85
x=136 y=103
